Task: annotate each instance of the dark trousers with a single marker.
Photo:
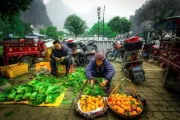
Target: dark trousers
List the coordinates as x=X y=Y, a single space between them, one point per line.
x=101 y=75
x=67 y=63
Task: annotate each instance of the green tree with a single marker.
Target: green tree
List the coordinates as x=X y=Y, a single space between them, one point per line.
x=120 y=25
x=9 y=8
x=13 y=26
x=42 y=31
x=52 y=32
x=27 y=28
x=107 y=31
x=75 y=25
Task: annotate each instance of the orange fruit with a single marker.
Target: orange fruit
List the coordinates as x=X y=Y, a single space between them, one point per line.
x=133 y=113
x=93 y=107
x=99 y=97
x=110 y=103
x=84 y=110
x=115 y=107
x=118 y=103
x=129 y=108
x=130 y=97
x=118 y=98
x=125 y=108
x=88 y=109
x=139 y=110
x=120 y=110
x=134 y=107
x=133 y=99
x=112 y=95
x=92 y=103
x=82 y=103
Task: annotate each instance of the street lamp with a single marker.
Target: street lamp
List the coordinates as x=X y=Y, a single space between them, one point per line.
x=98 y=13
x=103 y=22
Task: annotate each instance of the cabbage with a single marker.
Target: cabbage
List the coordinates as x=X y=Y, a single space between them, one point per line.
x=18 y=97
x=3 y=97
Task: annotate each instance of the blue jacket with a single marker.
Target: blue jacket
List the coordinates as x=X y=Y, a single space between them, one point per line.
x=64 y=52
x=106 y=69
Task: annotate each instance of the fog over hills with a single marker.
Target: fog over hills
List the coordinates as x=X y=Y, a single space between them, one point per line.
x=58 y=12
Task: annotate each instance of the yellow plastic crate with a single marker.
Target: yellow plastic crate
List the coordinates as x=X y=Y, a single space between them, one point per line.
x=14 y=70
x=43 y=64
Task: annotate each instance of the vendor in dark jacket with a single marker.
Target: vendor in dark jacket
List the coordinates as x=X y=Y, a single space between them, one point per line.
x=100 y=67
x=60 y=53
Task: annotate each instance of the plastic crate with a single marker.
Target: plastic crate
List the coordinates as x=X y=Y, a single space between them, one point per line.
x=14 y=70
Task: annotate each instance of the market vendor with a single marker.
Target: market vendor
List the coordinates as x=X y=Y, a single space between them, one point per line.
x=60 y=53
x=102 y=68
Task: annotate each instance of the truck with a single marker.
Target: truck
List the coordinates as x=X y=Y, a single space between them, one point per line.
x=24 y=50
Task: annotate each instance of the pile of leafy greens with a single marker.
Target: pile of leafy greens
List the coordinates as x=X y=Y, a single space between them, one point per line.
x=46 y=89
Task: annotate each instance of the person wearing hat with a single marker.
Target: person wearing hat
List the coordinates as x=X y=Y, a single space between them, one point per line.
x=100 y=67
x=60 y=53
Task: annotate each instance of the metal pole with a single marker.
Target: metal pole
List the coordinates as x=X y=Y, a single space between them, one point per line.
x=98 y=28
x=103 y=22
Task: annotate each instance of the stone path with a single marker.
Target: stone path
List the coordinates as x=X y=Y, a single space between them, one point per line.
x=161 y=104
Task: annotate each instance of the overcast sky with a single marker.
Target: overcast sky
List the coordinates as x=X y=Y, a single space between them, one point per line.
x=123 y=8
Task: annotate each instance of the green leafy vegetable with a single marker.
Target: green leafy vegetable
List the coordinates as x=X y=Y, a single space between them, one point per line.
x=18 y=97
x=3 y=97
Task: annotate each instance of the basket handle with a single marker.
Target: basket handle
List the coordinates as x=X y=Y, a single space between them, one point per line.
x=133 y=90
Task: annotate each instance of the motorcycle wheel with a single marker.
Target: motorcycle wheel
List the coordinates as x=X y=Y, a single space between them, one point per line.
x=110 y=56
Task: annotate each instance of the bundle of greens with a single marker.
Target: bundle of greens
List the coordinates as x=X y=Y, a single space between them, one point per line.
x=3 y=97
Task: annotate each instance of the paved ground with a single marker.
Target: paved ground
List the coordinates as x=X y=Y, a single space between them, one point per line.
x=162 y=105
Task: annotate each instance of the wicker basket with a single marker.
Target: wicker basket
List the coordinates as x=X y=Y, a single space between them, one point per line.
x=133 y=93
x=92 y=115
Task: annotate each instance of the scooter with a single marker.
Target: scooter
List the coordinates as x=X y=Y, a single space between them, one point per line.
x=132 y=59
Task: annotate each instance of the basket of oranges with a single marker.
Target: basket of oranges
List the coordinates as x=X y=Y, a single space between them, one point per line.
x=123 y=104
x=90 y=103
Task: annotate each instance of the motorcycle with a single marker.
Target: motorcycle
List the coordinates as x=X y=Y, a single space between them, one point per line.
x=117 y=51
x=132 y=59
x=151 y=51
x=82 y=53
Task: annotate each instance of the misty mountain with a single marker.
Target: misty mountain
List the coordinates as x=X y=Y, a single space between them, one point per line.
x=37 y=14
x=58 y=12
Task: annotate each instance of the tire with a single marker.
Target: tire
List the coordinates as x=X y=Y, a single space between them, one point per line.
x=109 y=55
x=28 y=60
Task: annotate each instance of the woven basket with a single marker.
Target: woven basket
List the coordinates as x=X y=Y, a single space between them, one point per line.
x=89 y=116
x=115 y=90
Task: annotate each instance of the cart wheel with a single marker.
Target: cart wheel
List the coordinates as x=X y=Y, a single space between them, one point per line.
x=27 y=59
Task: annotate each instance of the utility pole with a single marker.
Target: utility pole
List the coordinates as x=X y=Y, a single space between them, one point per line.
x=98 y=12
x=103 y=21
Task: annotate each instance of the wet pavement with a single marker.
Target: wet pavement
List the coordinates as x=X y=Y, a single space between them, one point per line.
x=161 y=104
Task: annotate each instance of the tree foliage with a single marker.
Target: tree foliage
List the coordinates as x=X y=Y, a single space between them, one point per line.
x=107 y=31
x=152 y=12
x=52 y=32
x=9 y=8
x=119 y=24
x=75 y=24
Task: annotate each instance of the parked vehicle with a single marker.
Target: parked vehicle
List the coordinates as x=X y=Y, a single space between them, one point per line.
x=170 y=51
x=81 y=52
x=115 y=52
x=151 y=44
x=132 y=59
x=23 y=50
